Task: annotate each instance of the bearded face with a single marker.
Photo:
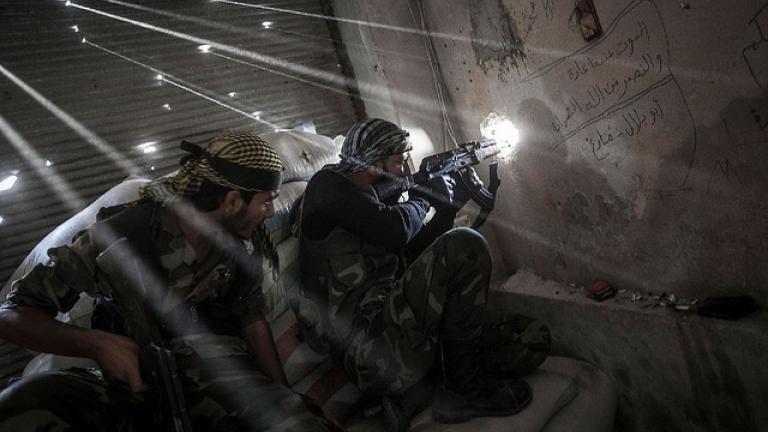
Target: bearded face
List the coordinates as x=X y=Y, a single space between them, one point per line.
x=246 y=217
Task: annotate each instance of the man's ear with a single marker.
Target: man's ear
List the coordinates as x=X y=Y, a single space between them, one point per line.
x=232 y=202
x=377 y=168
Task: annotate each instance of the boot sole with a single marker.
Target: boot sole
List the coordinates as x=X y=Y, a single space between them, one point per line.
x=465 y=415
x=395 y=419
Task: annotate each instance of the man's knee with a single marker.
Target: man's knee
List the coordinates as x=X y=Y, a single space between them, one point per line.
x=466 y=243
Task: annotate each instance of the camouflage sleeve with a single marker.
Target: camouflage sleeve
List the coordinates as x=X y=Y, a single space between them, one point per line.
x=56 y=286
x=256 y=304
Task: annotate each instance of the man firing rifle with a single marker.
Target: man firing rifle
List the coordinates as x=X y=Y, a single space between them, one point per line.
x=398 y=301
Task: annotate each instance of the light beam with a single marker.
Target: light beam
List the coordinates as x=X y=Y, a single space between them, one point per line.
x=100 y=144
x=180 y=84
x=54 y=181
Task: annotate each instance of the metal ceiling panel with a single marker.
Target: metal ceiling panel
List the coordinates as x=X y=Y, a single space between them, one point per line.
x=80 y=96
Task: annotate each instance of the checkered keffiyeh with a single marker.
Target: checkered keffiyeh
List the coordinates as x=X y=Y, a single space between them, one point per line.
x=236 y=160
x=369 y=141
x=233 y=159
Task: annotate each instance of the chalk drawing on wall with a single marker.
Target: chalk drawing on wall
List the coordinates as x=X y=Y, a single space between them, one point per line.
x=756 y=53
x=618 y=90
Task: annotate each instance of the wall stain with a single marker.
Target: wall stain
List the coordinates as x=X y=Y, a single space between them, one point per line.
x=495 y=38
x=613 y=209
x=575 y=210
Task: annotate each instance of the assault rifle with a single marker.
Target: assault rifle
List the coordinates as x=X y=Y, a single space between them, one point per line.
x=130 y=278
x=458 y=164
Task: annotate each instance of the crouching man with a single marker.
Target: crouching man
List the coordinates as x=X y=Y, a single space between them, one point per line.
x=204 y=254
x=394 y=299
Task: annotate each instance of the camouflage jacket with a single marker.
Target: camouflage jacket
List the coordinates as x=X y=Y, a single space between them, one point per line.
x=212 y=296
x=354 y=259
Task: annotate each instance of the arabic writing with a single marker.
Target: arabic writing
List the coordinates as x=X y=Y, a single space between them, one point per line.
x=756 y=49
x=627 y=63
x=626 y=46
x=631 y=122
x=611 y=90
x=617 y=94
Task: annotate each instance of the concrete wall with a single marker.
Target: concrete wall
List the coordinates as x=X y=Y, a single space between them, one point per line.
x=643 y=164
x=642 y=153
x=676 y=371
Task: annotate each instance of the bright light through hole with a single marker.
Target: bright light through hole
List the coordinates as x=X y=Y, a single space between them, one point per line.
x=256 y=114
x=48 y=163
x=159 y=77
x=232 y=94
x=501 y=129
x=1 y=219
x=82 y=41
x=267 y=24
x=167 y=106
x=204 y=48
x=8 y=182
x=75 y=28
x=148 y=147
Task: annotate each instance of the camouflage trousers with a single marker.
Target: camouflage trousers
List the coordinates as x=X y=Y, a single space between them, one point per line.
x=226 y=400
x=442 y=295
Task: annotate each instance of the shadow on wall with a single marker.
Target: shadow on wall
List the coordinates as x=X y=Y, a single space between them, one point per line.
x=608 y=113
x=558 y=214
x=661 y=218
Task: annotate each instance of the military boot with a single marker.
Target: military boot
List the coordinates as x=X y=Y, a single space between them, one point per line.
x=514 y=346
x=469 y=392
x=400 y=409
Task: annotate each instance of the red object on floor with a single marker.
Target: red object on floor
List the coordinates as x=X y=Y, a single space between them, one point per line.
x=600 y=291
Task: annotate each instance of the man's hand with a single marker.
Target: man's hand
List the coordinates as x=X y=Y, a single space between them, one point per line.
x=35 y=329
x=438 y=191
x=118 y=357
x=258 y=337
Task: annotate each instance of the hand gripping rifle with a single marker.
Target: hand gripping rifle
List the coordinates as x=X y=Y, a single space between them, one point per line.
x=132 y=283
x=457 y=163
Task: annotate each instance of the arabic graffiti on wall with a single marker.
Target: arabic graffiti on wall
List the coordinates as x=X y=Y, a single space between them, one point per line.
x=619 y=89
x=633 y=121
x=756 y=53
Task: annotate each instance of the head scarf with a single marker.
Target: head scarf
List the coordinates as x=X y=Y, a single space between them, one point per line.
x=236 y=160
x=369 y=141
x=240 y=161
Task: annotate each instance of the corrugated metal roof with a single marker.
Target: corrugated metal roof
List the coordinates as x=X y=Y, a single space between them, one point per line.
x=108 y=85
